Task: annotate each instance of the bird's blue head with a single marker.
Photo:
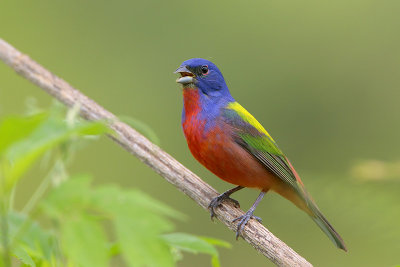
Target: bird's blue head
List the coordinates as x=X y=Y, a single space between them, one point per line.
x=204 y=75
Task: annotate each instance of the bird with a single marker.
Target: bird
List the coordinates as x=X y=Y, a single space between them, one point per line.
x=226 y=139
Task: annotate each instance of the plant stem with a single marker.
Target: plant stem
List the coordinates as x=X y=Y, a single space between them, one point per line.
x=30 y=205
x=39 y=192
x=4 y=230
x=5 y=254
x=12 y=198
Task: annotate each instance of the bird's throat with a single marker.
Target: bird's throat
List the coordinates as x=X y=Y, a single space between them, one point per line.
x=191 y=102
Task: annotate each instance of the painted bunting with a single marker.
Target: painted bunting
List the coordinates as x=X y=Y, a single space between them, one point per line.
x=231 y=143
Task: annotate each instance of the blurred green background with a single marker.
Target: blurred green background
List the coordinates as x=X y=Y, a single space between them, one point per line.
x=321 y=76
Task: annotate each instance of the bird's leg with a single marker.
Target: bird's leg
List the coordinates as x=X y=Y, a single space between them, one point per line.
x=219 y=199
x=248 y=215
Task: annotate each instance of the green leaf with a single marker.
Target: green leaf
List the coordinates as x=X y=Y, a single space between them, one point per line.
x=154 y=205
x=138 y=222
x=14 y=128
x=195 y=244
x=84 y=242
x=21 y=155
x=27 y=237
x=137 y=219
x=24 y=257
x=141 y=245
x=108 y=196
x=69 y=199
x=137 y=225
x=216 y=242
x=190 y=243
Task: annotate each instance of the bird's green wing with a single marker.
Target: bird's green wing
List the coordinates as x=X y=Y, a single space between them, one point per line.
x=252 y=136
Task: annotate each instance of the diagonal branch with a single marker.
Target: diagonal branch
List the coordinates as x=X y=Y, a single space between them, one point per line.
x=161 y=162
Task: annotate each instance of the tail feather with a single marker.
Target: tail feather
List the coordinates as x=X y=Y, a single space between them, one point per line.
x=326 y=227
x=302 y=199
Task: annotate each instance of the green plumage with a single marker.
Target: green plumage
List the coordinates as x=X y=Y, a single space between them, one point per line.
x=255 y=139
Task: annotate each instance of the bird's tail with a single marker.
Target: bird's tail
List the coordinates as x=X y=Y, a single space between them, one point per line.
x=325 y=226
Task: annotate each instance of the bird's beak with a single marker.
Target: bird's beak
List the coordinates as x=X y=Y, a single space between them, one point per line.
x=186 y=75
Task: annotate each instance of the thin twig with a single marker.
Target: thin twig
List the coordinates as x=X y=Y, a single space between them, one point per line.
x=161 y=162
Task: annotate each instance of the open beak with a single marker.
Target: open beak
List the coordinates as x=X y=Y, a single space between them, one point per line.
x=186 y=75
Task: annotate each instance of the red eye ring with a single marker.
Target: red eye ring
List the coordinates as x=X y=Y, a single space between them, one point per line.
x=204 y=69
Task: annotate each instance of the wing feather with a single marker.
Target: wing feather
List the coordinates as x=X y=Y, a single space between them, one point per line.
x=249 y=134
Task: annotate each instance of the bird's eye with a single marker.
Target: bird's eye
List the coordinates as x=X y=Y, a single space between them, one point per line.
x=204 y=69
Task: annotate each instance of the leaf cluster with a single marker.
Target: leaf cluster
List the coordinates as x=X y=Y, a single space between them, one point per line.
x=68 y=221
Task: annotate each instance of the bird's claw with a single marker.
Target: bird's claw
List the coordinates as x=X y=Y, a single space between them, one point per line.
x=243 y=221
x=215 y=202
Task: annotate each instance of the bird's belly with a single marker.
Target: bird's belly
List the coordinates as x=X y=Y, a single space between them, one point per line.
x=219 y=153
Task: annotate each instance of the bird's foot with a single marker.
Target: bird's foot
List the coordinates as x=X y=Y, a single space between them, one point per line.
x=215 y=202
x=243 y=221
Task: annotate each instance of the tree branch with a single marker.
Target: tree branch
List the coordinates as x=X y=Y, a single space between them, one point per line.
x=161 y=162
